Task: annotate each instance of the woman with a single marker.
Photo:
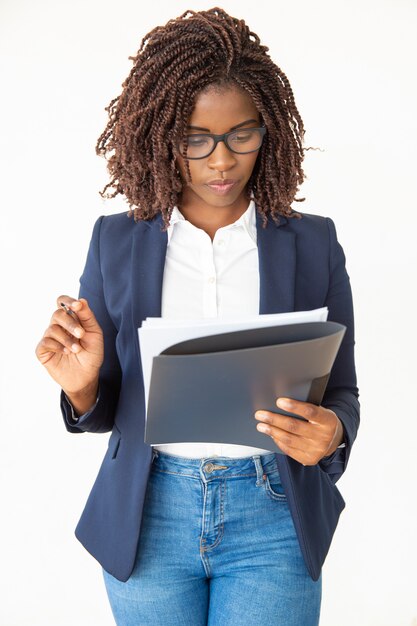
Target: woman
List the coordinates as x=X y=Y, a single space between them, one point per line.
x=206 y=144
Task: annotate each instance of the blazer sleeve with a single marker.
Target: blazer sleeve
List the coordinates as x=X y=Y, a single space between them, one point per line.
x=100 y=418
x=342 y=394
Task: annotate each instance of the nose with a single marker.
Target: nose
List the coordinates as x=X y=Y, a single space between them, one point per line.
x=221 y=159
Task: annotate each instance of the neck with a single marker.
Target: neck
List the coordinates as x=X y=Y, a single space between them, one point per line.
x=210 y=218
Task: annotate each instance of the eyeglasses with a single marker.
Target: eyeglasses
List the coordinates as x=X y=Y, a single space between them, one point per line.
x=240 y=141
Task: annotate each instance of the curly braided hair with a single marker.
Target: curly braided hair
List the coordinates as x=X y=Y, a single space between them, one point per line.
x=148 y=120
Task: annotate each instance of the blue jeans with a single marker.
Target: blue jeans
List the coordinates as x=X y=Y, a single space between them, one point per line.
x=217 y=548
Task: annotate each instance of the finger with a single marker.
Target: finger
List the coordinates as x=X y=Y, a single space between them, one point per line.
x=67 y=340
x=288 y=439
x=47 y=348
x=300 y=450
x=70 y=324
x=301 y=456
x=69 y=305
x=85 y=315
x=72 y=303
x=287 y=423
x=68 y=310
x=309 y=411
x=311 y=449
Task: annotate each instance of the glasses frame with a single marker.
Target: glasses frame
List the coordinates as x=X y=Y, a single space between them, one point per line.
x=225 y=137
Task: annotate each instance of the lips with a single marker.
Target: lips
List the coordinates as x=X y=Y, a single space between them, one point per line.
x=221 y=186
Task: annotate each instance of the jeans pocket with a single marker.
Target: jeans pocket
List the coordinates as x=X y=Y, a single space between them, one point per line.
x=273 y=486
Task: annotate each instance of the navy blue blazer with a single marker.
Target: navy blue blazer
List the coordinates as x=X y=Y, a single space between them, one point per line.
x=302 y=267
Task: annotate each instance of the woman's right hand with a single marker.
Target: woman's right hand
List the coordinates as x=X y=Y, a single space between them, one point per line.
x=72 y=347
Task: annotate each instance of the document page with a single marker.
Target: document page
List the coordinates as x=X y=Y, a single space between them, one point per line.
x=157 y=333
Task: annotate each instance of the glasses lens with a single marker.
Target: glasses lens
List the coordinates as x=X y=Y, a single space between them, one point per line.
x=199 y=145
x=245 y=140
x=240 y=141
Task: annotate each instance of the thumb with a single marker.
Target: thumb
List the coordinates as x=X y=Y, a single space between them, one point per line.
x=85 y=315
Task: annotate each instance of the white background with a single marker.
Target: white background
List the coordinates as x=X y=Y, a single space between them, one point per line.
x=352 y=69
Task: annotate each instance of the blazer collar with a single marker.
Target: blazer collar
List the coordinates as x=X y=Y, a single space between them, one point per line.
x=277 y=260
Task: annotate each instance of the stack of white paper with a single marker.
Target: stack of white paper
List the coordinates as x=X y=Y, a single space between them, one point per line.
x=157 y=333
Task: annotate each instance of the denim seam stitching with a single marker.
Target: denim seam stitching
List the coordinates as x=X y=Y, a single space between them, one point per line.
x=221 y=532
x=275 y=496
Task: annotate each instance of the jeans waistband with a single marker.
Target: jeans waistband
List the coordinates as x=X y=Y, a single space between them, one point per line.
x=215 y=467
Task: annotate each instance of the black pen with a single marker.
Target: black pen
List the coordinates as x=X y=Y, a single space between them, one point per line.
x=72 y=313
x=67 y=310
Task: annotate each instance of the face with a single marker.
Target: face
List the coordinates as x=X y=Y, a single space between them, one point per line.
x=218 y=112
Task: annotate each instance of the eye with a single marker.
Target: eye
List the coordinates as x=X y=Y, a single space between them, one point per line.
x=197 y=140
x=242 y=136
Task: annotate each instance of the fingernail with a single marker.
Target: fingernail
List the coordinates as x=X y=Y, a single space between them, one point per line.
x=75 y=347
x=263 y=416
x=263 y=428
x=78 y=332
x=284 y=403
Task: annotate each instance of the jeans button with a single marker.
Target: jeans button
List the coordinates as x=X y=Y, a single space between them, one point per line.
x=209 y=467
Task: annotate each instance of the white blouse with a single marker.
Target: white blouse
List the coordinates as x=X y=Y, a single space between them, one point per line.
x=205 y=278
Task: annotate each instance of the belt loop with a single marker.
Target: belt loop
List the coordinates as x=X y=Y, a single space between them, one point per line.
x=259 y=469
x=154 y=454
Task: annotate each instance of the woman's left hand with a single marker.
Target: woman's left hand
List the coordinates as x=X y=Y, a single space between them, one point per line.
x=306 y=442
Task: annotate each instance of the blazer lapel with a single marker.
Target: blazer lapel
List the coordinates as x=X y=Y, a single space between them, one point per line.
x=277 y=259
x=148 y=259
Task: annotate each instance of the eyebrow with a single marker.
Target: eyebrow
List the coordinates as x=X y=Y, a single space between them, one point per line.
x=232 y=128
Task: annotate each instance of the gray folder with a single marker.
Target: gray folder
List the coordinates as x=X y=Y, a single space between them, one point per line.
x=208 y=389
